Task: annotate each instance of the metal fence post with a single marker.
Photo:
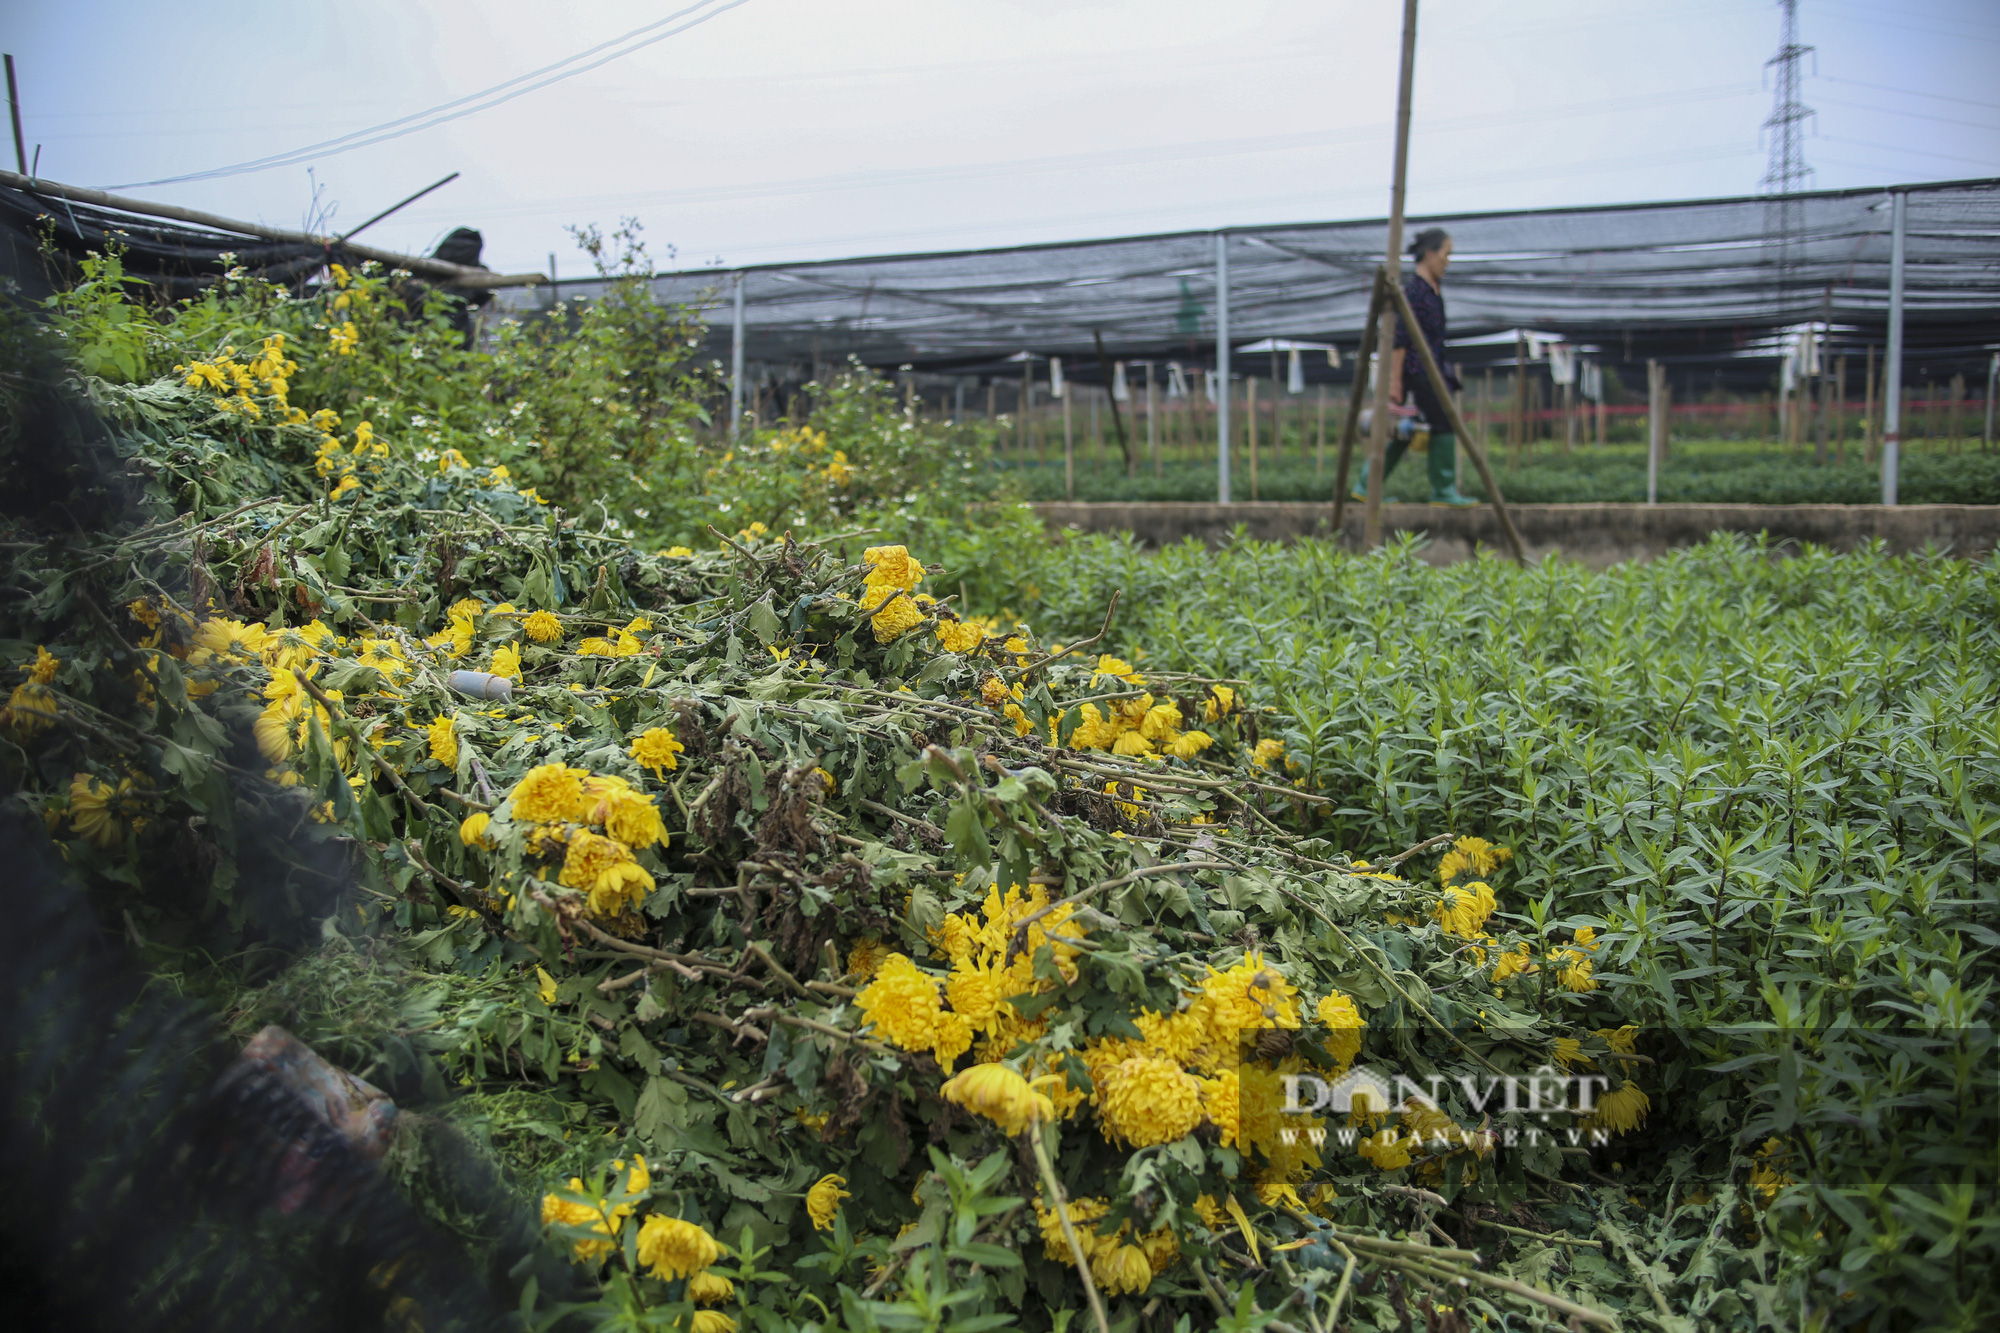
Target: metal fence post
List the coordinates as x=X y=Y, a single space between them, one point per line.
x=1222 y=367
x=736 y=363
x=1892 y=368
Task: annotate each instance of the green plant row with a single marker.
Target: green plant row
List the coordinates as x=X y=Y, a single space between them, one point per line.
x=1692 y=476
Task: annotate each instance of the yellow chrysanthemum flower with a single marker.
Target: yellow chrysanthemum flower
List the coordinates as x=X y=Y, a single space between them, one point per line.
x=903 y=1004
x=507 y=662
x=443 y=740
x=1269 y=752
x=955 y=636
x=1144 y=1100
x=892 y=567
x=1121 y=1269
x=674 y=1248
x=546 y=793
x=865 y=956
x=542 y=627
x=1001 y=1095
x=1344 y=1025
x=1251 y=995
x=1619 y=1111
x=711 y=1321
x=823 y=1201
x=1463 y=910
x=472 y=830
x=657 y=749
x=710 y=1289
x=93 y=808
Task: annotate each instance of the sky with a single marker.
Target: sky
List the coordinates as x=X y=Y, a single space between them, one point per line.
x=783 y=130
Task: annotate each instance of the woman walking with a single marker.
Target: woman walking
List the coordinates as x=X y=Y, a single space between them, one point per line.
x=1430 y=255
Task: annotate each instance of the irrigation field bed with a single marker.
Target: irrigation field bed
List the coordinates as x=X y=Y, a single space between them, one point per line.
x=1595 y=534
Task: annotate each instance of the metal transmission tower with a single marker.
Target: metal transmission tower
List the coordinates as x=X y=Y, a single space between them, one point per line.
x=1785 y=215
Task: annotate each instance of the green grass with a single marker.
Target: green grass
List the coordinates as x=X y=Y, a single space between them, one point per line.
x=1706 y=471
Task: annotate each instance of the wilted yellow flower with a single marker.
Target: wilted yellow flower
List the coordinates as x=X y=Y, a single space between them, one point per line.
x=823 y=1201
x=711 y=1321
x=547 y=793
x=657 y=749
x=93 y=808
x=1221 y=701
x=710 y=1289
x=30 y=708
x=1268 y=752
x=229 y=640
x=542 y=627
x=1473 y=856
x=1113 y=668
x=955 y=636
x=1001 y=1095
x=1463 y=910
x=507 y=661
x=1344 y=1024
x=674 y=1248
x=1251 y=995
x=557 y=1210
x=1121 y=1269
x=898 y=614
x=678 y=551
x=865 y=956
x=891 y=567
x=1619 y=1111
x=1515 y=962
x=472 y=830
x=1189 y=744
x=443 y=740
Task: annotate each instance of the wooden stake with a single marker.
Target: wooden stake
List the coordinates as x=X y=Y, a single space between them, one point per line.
x=1350 y=427
x=1840 y=401
x=1153 y=420
x=1069 y=449
x=1117 y=421
x=1392 y=269
x=1250 y=419
x=1319 y=449
x=1868 y=409
x=1435 y=374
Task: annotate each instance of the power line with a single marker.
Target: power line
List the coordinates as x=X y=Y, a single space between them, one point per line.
x=1909 y=92
x=1914 y=115
x=472 y=103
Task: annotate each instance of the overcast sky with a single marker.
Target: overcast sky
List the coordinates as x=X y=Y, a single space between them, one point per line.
x=789 y=129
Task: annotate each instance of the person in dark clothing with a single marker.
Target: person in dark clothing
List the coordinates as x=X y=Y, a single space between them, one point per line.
x=1410 y=388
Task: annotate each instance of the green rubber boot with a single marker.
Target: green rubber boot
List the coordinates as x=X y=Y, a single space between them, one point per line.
x=1398 y=446
x=1444 y=473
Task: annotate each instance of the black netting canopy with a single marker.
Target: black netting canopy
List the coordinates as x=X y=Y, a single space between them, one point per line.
x=1706 y=280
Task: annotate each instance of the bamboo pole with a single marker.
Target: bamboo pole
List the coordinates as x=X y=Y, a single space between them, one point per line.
x=1517 y=425
x=1435 y=374
x=1153 y=420
x=1378 y=432
x=1319 y=449
x=1250 y=420
x=458 y=275
x=1868 y=409
x=1069 y=449
x=1351 y=426
x=1840 y=400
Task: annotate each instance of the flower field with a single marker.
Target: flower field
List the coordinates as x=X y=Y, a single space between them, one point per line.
x=824 y=902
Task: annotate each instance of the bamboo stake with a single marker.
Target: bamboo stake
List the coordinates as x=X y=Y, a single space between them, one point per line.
x=1069 y=450
x=1435 y=374
x=1250 y=419
x=1319 y=449
x=1378 y=433
x=1351 y=426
